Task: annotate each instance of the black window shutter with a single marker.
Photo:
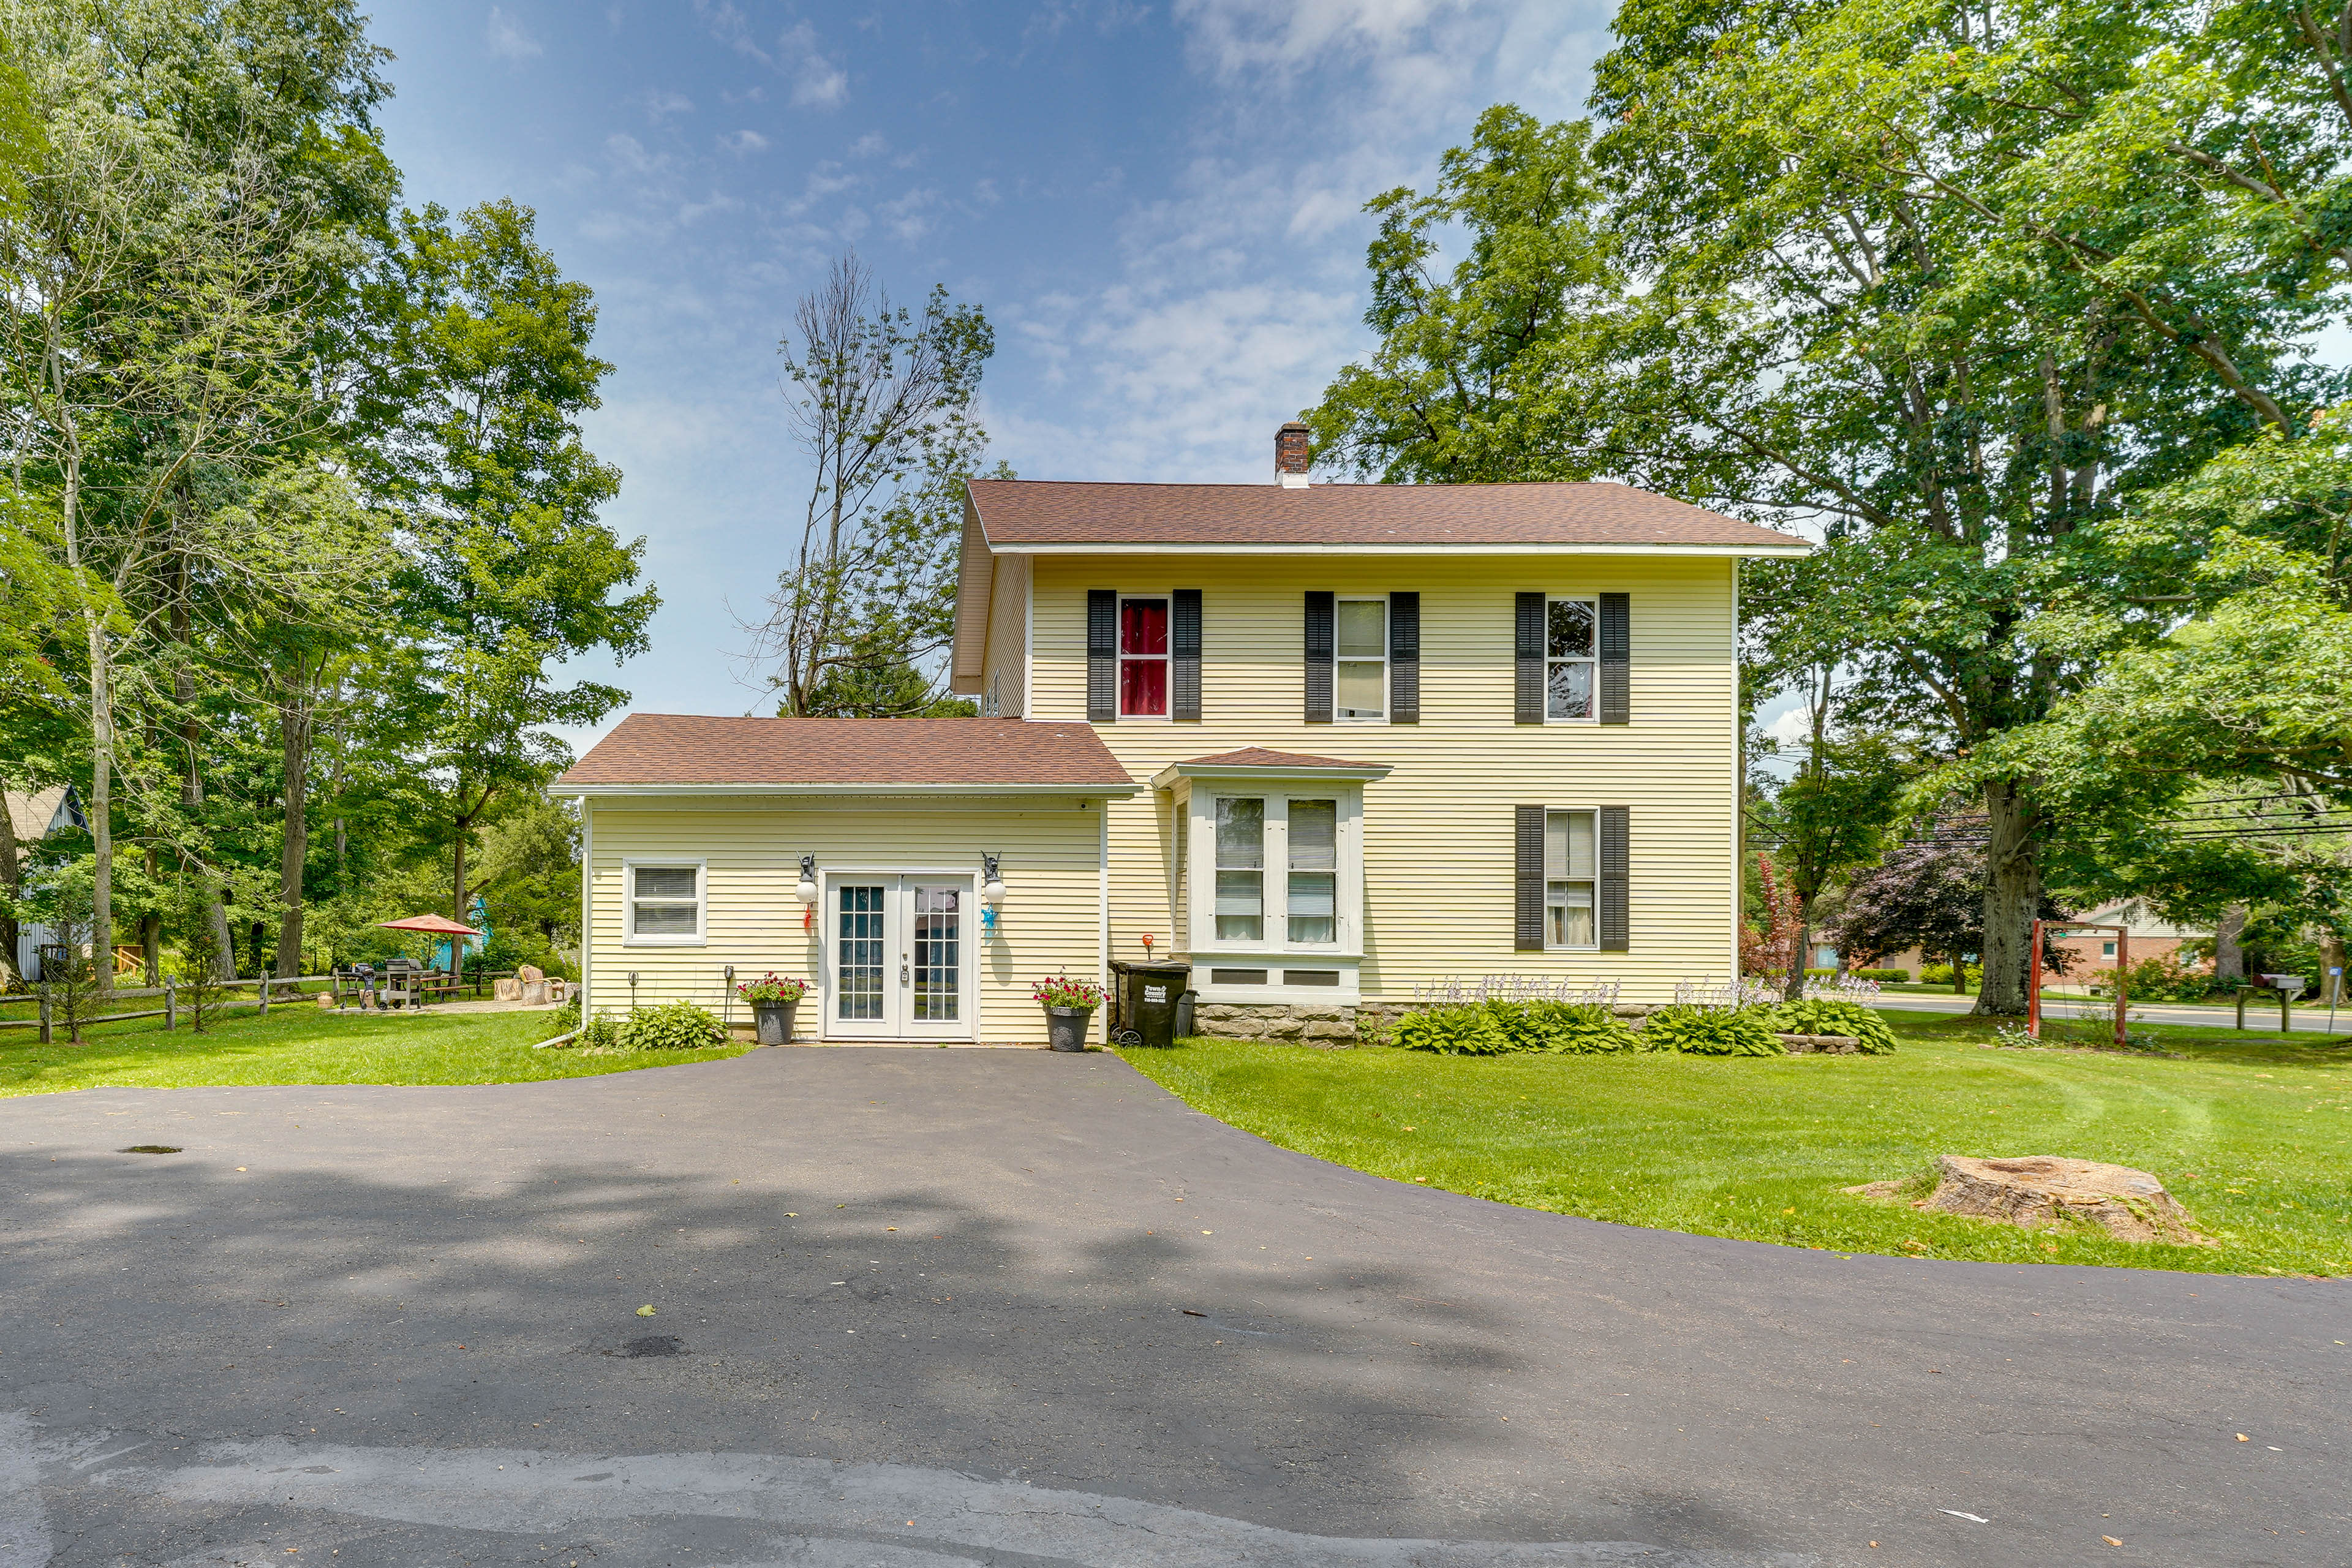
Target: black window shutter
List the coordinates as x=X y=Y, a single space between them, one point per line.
x=1404 y=659
x=1616 y=659
x=1616 y=857
x=1319 y=658
x=1184 y=655
x=1528 y=876
x=1102 y=656
x=1529 y=646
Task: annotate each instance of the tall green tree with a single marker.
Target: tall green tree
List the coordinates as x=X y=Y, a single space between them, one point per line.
x=882 y=406
x=1950 y=284
x=479 y=374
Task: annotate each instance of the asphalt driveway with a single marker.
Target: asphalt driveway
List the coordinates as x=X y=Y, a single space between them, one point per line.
x=925 y=1309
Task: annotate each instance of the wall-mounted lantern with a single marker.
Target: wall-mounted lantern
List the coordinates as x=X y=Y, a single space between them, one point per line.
x=992 y=890
x=806 y=892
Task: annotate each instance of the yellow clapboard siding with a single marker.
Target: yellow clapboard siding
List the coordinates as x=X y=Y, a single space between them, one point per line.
x=1008 y=614
x=1438 y=862
x=752 y=848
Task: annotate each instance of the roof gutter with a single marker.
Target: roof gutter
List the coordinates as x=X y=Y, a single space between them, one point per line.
x=653 y=791
x=1699 y=552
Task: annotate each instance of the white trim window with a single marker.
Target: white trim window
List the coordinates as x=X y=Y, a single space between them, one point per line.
x=1311 y=895
x=1280 y=868
x=1571 y=638
x=1359 y=686
x=1241 y=868
x=1143 y=631
x=665 y=904
x=1569 y=881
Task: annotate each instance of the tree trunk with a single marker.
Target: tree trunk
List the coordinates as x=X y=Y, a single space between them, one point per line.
x=1801 y=947
x=2012 y=896
x=12 y=883
x=1960 y=975
x=2229 y=957
x=224 y=944
x=151 y=948
x=2331 y=969
x=294 y=732
x=101 y=742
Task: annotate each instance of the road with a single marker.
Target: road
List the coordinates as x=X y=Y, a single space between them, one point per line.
x=2258 y=1014
x=924 y=1309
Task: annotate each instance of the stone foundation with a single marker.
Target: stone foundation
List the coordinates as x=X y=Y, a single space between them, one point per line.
x=1330 y=1025
x=1333 y=1026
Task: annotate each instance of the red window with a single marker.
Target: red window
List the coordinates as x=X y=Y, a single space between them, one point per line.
x=1143 y=657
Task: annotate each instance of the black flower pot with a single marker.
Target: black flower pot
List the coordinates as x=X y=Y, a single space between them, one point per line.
x=1067 y=1028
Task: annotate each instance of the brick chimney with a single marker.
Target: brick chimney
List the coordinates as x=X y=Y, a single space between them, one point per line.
x=1290 y=455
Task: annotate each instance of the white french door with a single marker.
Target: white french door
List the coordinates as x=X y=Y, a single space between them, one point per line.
x=900 y=956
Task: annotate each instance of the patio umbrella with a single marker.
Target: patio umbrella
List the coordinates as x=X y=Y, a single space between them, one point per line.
x=437 y=925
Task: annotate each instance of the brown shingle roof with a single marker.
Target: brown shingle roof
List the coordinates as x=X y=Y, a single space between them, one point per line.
x=1259 y=757
x=693 y=749
x=1031 y=512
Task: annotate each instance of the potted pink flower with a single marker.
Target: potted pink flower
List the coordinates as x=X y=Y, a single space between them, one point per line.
x=1069 y=1010
x=772 y=998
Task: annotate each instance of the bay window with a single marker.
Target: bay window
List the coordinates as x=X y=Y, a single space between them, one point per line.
x=1278 y=866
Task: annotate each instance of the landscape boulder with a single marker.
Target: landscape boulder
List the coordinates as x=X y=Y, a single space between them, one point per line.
x=2035 y=1190
x=534 y=994
x=1827 y=1045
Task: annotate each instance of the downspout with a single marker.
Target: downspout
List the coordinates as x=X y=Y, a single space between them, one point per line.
x=1102 y=935
x=587 y=901
x=1739 y=788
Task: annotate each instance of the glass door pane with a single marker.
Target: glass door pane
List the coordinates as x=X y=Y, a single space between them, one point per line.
x=938 y=975
x=862 y=955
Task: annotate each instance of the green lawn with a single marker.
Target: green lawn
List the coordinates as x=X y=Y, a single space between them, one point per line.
x=303 y=1044
x=2251 y=1131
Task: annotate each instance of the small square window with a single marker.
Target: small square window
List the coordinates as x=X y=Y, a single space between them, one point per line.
x=665 y=903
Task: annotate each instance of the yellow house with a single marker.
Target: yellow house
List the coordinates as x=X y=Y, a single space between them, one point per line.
x=1336 y=746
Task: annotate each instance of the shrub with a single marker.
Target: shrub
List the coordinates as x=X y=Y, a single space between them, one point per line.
x=671 y=1026
x=598 y=1034
x=1941 y=973
x=1893 y=976
x=1712 y=1031
x=1461 y=1031
x=1828 y=1015
x=2162 y=979
x=1562 y=1028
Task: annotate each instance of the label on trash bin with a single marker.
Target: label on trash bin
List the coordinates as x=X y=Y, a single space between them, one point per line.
x=1155 y=994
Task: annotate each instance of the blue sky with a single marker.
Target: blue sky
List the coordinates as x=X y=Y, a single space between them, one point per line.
x=1158 y=204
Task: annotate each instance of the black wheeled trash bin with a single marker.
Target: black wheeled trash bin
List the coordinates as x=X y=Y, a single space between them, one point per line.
x=1147 y=1001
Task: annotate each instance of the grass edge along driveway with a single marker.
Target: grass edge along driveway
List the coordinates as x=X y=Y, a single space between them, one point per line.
x=304 y=1044
x=2252 y=1133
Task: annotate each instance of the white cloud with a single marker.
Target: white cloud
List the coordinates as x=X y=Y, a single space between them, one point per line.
x=660 y=106
x=818 y=82
x=741 y=142
x=507 y=38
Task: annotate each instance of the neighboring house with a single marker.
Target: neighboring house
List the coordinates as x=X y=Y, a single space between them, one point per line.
x=1329 y=742
x=2149 y=936
x=35 y=817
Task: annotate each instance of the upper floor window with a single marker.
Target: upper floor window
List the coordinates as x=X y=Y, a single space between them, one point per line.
x=1569 y=634
x=1360 y=687
x=1569 y=875
x=1143 y=657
